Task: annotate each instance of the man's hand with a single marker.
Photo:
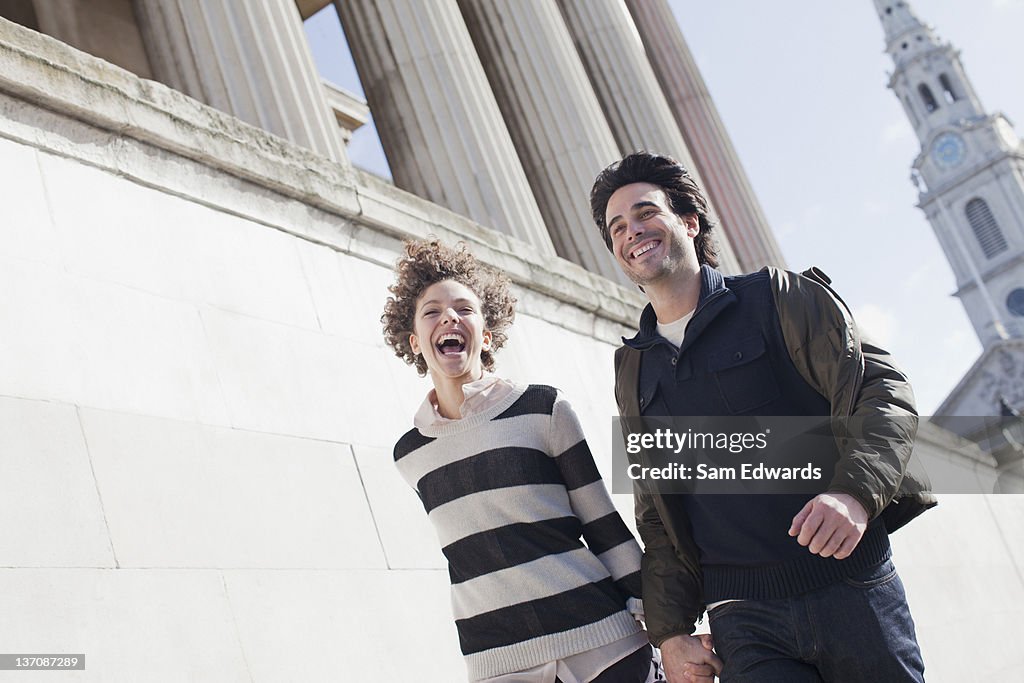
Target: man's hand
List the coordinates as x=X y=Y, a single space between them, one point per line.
x=690 y=659
x=830 y=525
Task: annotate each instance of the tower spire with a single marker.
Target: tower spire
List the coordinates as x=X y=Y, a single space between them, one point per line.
x=906 y=36
x=969 y=172
x=897 y=18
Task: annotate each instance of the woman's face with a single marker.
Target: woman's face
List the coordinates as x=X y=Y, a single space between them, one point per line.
x=449 y=330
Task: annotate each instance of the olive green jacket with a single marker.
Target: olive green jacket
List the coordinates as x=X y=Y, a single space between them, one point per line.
x=859 y=380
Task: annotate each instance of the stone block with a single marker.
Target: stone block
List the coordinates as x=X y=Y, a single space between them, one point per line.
x=953 y=603
x=408 y=537
x=383 y=394
x=178 y=494
x=280 y=379
x=408 y=391
x=289 y=381
x=255 y=271
x=116 y=230
x=348 y=292
x=47 y=492
x=346 y=625
x=968 y=519
x=43 y=360
x=104 y=345
x=142 y=354
x=27 y=231
x=1008 y=513
x=132 y=625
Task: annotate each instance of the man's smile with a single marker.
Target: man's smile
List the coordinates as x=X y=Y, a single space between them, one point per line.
x=643 y=248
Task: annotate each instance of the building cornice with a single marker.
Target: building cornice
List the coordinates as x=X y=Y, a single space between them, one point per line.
x=990 y=273
x=926 y=199
x=47 y=73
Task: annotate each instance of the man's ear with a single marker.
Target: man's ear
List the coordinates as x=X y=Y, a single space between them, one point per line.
x=414 y=343
x=692 y=224
x=487 y=340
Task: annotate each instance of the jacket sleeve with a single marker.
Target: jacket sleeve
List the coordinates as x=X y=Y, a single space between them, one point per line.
x=672 y=583
x=604 y=531
x=872 y=403
x=670 y=568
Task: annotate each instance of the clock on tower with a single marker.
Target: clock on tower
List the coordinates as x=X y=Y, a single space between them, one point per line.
x=948 y=150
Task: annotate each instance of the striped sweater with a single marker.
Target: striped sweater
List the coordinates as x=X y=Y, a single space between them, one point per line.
x=510 y=491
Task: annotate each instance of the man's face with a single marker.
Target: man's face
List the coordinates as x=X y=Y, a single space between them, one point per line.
x=648 y=240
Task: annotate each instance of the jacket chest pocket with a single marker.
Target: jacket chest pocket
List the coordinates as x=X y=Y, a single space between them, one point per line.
x=652 y=401
x=744 y=375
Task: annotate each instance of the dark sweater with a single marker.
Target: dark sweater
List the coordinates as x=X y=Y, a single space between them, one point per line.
x=734 y=361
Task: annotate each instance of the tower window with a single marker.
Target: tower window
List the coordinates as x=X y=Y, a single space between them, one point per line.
x=947 y=88
x=930 y=102
x=985 y=227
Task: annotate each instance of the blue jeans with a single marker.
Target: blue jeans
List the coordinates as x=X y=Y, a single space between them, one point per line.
x=856 y=631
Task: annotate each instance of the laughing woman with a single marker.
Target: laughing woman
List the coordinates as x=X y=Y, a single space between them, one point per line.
x=511 y=488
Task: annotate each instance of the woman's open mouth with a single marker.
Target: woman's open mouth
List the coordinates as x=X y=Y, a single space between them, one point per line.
x=451 y=343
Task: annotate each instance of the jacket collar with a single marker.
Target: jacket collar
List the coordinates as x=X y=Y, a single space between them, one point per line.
x=713 y=293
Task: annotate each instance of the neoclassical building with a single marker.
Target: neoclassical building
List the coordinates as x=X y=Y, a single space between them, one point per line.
x=196 y=405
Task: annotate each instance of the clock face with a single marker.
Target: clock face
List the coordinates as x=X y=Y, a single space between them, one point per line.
x=948 y=150
x=1015 y=301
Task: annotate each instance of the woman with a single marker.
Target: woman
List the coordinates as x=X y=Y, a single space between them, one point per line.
x=509 y=483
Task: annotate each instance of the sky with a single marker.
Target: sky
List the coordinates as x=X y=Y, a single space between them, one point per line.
x=801 y=88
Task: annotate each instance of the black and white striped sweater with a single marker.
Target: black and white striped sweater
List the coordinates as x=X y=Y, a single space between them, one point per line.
x=511 y=491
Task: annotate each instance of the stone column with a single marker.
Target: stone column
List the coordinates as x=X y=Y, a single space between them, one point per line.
x=553 y=115
x=437 y=118
x=249 y=59
x=727 y=184
x=628 y=90
x=89 y=24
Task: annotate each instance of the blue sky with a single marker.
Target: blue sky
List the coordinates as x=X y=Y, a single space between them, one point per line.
x=801 y=87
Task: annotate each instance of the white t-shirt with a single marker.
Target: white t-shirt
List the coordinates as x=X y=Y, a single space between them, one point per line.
x=676 y=330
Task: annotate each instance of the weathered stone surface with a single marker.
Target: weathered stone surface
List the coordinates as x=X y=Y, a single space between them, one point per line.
x=52 y=75
x=155 y=625
x=178 y=494
x=47 y=491
x=249 y=59
x=346 y=625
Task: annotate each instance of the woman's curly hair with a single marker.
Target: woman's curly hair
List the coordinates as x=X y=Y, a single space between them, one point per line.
x=427 y=263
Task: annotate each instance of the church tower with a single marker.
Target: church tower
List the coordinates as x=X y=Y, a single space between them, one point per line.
x=970 y=173
x=970 y=178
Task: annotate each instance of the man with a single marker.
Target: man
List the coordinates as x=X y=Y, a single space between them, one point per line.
x=796 y=589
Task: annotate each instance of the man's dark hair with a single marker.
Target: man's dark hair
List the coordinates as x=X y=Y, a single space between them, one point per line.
x=683 y=195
